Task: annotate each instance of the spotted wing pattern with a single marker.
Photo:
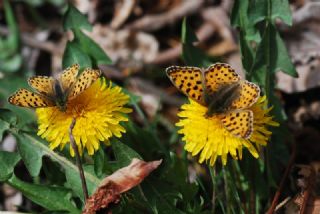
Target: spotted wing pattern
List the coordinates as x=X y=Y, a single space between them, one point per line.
x=84 y=81
x=239 y=123
x=42 y=84
x=188 y=80
x=219 y=74
x=69 y=76
x=249 y=93
x=26 y=98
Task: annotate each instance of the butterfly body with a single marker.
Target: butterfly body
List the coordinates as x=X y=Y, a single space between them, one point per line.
x=60 y=96
x=219 y=102
x=55 y=91
x=220 y=89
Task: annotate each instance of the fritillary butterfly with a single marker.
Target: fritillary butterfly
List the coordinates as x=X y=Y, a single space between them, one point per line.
x=221 y=90
x=55 y=91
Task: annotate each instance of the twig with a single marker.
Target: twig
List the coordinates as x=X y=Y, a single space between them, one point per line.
x=308 y=191
x=284 y=177
x=282 y=203
x=122 y=12
x=78 y=160
x=155 y=22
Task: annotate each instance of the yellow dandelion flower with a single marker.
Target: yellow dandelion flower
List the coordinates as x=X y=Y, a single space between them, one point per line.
x=98 y=112
x=208 y=137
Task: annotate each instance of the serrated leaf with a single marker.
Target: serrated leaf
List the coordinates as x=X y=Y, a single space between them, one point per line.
x=52 y=198
x=8 y=161
x=31 y=155
x=7 y=118
x=92 y=48
x=74 y=19
x=240 y=17
x=73 y=54
x=123 y=153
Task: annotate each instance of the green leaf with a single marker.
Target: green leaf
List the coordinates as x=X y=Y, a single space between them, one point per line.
x=74 y=19
x=10 y=58
x=240 y=17
x=281 y=9
x=175 y=172
x=187 y=34
x=161 y=196
x=99 y=159
x=74 y=181
x=248 y=33
x=247 y=54
x=7 y=118
x=278 y=9
x=92 y=48
x=52 y=198
x=31 y=143
x=123 y=153
x=8 y=161
x=7 y=86
x=13 y=39
x=11 y=64
x=31 y=156
x=73 y=54
x=193 y=56
x=271 y=56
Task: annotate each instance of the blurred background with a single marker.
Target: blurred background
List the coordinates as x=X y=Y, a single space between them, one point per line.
x=142 y=38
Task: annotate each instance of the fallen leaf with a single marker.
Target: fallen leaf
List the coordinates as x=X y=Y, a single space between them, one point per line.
x=120 y=181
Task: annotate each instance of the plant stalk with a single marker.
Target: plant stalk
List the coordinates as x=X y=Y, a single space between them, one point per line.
x=78 y=161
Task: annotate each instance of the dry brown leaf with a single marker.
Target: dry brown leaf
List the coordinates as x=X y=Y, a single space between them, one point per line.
x=126 y=46
x=303 y=43
x=313 y=205
x=120 y=181
x=307 y=201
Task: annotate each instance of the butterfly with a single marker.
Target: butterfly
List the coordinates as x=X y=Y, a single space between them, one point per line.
x=222 y=91
x=51 y=91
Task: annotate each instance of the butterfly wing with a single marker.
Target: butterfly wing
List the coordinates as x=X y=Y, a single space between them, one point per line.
x=43 y=85
x=239 y=123
x=26 y=98
x=68 y=77
x=248 y=95
x=84 y=81
x=188 y=80
x=219 y=74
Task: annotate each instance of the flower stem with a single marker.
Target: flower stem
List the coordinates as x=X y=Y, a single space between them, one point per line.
x=78 y=161
x=226 y=190
x=213 y=173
